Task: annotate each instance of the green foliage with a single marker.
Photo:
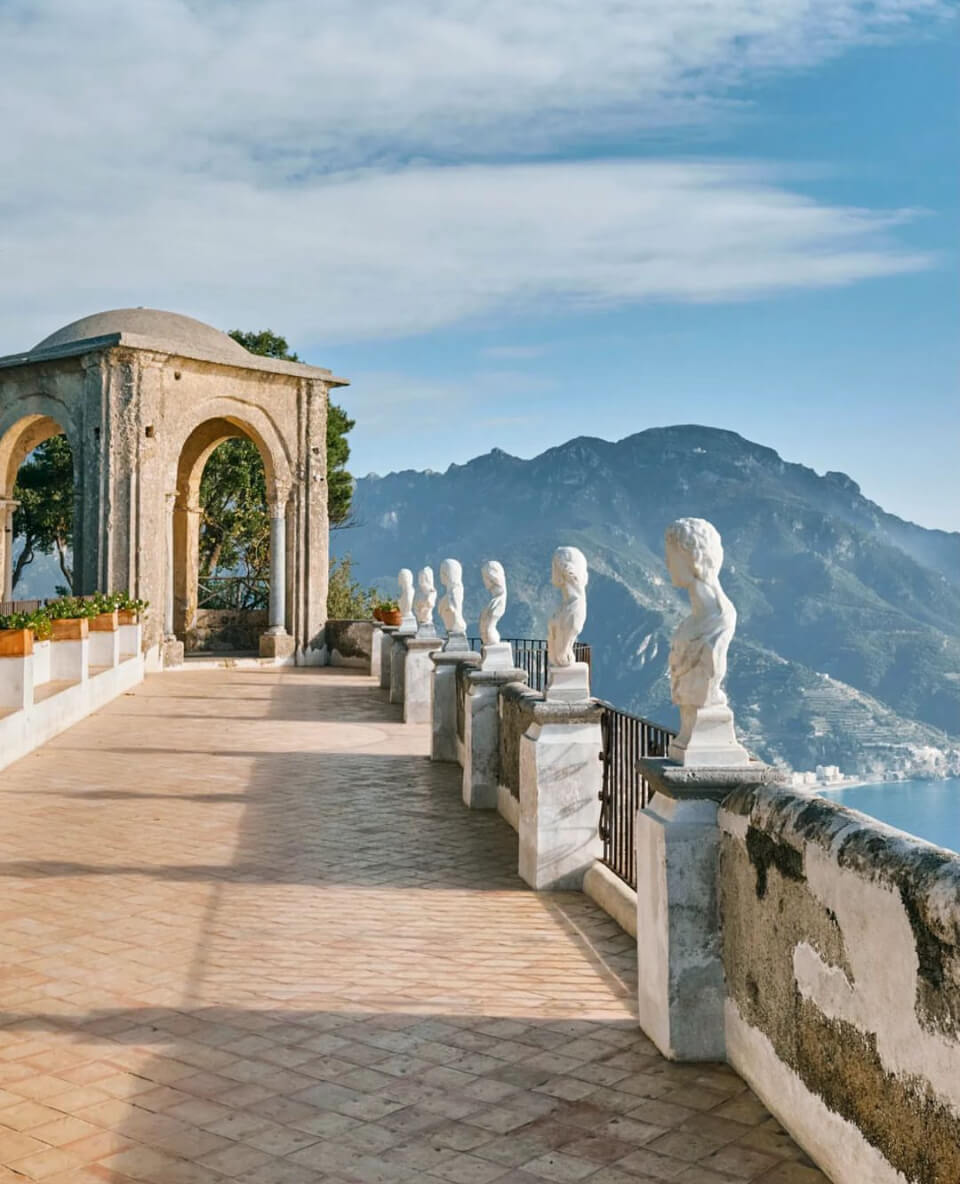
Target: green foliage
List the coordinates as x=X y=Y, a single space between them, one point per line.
x=72 y=607
x=234 y=523
x=387 y=606
x=347 y=599
x=120 y=601
x=268 y=344
x=44 y=518
x=38 y=621
x=265 y=343
x=339 y=480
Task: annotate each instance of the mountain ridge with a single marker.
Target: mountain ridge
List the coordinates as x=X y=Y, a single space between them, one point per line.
x=824 y=579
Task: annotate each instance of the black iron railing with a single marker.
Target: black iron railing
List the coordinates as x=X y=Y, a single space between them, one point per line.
x=626 y=738
x=236 y=593
x=530 y=655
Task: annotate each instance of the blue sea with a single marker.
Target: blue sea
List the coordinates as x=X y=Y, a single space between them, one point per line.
x=928 y=809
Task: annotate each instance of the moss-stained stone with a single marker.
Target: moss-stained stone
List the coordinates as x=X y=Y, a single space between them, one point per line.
x=769 y=909
x=516 y=715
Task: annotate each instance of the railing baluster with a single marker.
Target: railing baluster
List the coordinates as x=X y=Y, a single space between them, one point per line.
x=626 y=738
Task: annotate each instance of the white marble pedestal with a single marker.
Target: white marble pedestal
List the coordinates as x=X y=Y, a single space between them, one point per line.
x=398 y=655
x=418 y=678
x=560 y=782
x=443 y=743
x=481 y=736
x=382 y=647
x=679 y=967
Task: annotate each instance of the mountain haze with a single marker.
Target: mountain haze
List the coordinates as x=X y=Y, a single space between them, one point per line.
x=848 y=649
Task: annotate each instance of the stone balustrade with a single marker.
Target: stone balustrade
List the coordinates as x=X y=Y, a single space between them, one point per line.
x=815 y=950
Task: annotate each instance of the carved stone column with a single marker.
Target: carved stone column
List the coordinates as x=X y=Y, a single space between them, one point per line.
x=8 y=507
x=172 y=648
x=276 y=643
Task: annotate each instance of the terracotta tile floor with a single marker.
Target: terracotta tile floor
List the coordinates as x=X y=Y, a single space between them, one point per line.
x=250 y=933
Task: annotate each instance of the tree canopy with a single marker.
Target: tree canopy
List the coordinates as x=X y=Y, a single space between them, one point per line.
x=268 y=344
x=44 y=518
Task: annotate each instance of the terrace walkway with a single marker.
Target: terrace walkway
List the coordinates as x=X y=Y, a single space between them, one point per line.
x=250 y=933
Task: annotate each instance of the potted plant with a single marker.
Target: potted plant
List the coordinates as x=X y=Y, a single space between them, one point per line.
x=130 y=609
x=16 y=636
x=389 y=612
x=70 y=617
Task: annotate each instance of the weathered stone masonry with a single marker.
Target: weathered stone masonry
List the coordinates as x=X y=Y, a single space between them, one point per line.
x=841 y=943
x=144 y=397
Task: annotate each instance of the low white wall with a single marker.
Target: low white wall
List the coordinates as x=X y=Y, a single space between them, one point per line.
x=614 y=896
x=841 y=946
x=24 y=730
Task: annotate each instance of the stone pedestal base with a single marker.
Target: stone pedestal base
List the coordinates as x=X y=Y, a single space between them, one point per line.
x=171 y=652
x=707 y=739
x=443 y=743
x=277 y=647
x=560 y=782
x=418 y=679
x=382 y=646
x=569 y=684
x=497 y=657
x=398 y=655
x=481 y=736
x=456 y=643
x=679 y=968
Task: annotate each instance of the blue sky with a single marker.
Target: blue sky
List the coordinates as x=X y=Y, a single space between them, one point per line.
x=509 y=225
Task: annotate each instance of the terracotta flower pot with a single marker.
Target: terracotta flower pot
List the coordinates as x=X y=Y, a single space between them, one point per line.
x=105 y=622
x=378 y=614
x=127 y=616
x=392 y=618
x=16 y=643
x=70 y=628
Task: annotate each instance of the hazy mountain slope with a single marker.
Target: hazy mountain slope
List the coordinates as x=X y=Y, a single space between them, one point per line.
x=826 y=583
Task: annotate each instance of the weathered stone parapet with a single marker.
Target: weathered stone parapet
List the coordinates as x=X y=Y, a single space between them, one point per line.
x=443 y=745
x=560 y=783
x=841 y=946
x=679 y=965
x=350 y=643
x=481 y=736
x=516 y=715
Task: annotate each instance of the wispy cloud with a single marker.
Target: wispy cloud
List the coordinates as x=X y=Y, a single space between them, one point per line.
x=328 y=166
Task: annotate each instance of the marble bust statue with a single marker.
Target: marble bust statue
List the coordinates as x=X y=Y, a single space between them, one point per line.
x=451 y=603
x=405 y=584
x=569 y=574
x=424 y=602
x=698 y=652
x=495 y=582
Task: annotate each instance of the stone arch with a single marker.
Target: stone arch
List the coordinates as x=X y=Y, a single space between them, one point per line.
x=129 y=388
x=197 y=448
x=216 y=420
x=24 y=426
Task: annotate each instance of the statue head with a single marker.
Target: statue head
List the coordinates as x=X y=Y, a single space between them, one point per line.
x=425 y=579
x=494 y=577
x=569 y=570
x=451 y=572
x=694 y=551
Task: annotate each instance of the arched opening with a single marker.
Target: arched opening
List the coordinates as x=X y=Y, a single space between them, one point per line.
x=38 y=506
x=226 y=504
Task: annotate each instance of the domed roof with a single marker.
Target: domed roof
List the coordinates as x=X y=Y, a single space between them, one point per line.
x=147 y=322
